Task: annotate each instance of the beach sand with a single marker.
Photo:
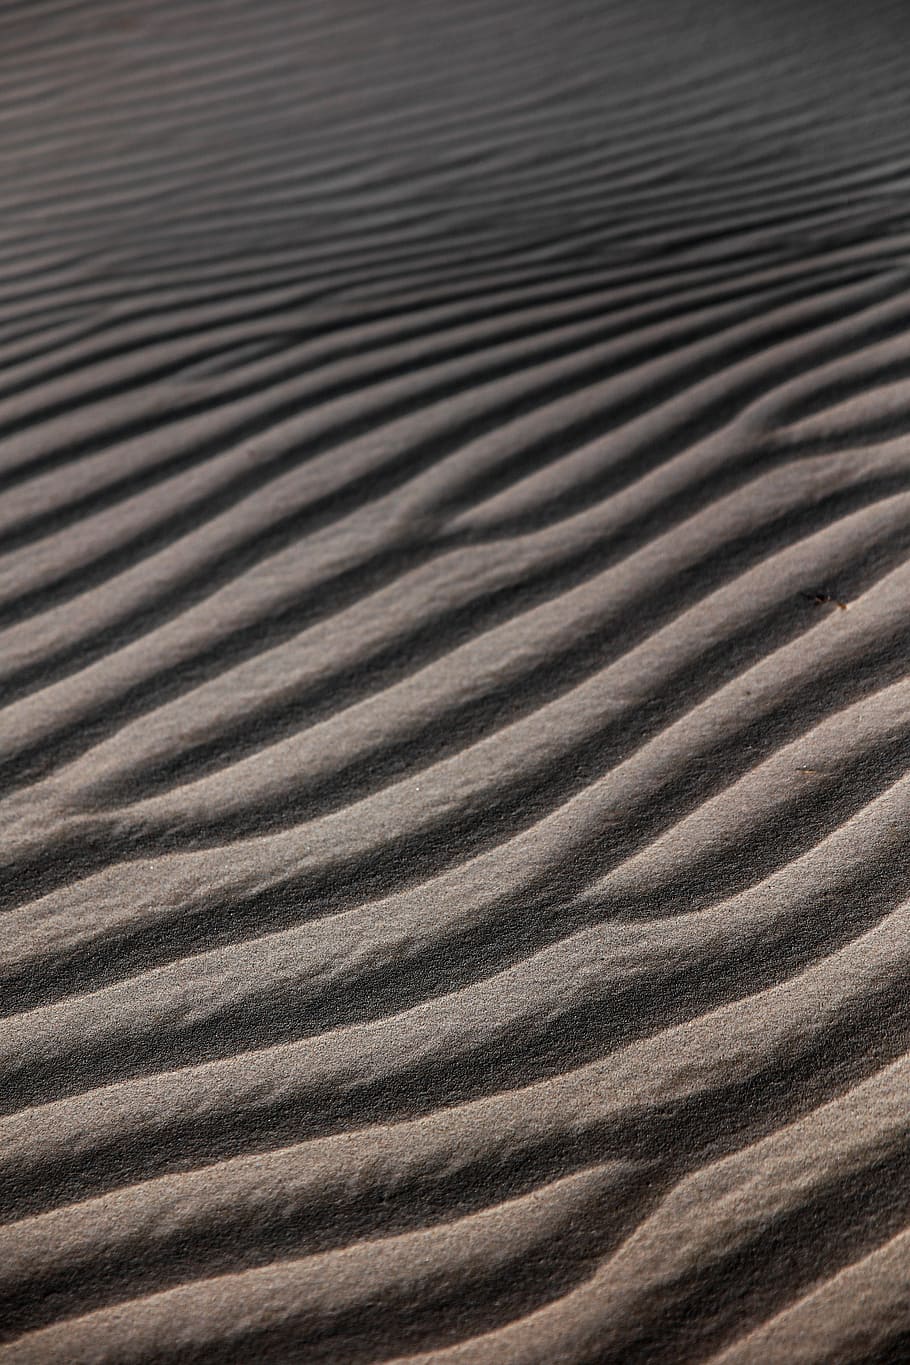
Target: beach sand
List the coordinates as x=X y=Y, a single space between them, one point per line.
x=454 y=604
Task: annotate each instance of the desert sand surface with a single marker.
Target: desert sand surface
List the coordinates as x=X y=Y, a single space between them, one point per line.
x=454 y=640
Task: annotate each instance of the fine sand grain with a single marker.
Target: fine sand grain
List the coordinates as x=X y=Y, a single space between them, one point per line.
x=454 y=643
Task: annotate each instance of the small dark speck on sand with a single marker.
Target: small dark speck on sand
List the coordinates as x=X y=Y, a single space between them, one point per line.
x=820 y=599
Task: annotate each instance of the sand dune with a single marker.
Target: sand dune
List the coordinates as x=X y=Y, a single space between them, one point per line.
x=454 y=582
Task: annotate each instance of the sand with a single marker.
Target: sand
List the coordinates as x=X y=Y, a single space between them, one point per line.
x=454 y=590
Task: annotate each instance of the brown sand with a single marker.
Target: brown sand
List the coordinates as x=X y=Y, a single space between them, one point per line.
x=454 y=603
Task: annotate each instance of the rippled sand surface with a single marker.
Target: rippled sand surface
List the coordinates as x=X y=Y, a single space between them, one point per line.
x=454 y=636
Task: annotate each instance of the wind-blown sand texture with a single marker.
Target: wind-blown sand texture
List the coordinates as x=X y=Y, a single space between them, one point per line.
x=454 y=601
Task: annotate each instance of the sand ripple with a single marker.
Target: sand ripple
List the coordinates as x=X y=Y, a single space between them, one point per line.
x=454 y=580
